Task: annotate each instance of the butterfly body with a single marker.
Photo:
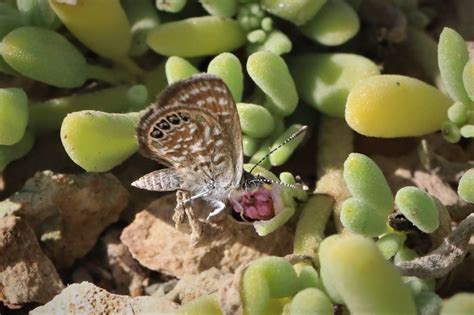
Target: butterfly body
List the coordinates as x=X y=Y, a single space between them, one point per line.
x=194 y=130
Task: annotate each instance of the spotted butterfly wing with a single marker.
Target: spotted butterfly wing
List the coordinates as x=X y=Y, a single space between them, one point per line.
x=194 y=129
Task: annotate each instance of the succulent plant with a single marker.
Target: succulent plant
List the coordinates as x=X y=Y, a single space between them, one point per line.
x=84 y=71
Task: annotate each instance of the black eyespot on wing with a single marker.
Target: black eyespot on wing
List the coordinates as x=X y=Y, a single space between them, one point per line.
x=163 y=125
x=174 y=119
x=157 y=133
x=184 y=116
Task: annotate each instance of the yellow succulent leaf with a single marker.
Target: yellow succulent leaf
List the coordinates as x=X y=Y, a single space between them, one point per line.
x=196 y=37
x=102 y=25
x=391 y=106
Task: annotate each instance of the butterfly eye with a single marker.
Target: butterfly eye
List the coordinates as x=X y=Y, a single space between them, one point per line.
x=163 y=125
x=184 y=116
x=157 y=133
x=174 y=119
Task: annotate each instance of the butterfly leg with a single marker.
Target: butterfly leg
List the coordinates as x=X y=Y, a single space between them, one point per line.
x=202 y=194
x=183 y=205
x=184 y=208
x=179 y=211
x=219 y=206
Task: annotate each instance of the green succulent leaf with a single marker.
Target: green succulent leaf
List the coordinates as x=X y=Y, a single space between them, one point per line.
x=13 y=115
x=45 y=56
x=418 y=207
x=99 y=141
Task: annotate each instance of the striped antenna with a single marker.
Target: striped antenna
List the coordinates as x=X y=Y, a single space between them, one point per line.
x=262 y=179
x=294 y=135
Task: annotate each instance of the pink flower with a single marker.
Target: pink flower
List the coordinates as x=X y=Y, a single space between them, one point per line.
x=259 y=204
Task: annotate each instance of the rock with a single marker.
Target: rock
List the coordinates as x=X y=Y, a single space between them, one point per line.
x=26 y=274
x=229 y=297
x=129 y=277
x=110 y=266
x=86 y=298
x=194 y=286
x=153 y=240
x=160 y=289
x=68 y=212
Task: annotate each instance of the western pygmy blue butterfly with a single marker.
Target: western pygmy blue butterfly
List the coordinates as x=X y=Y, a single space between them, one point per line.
x=194 y=129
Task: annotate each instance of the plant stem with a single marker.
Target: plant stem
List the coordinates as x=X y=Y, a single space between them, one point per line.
x=130 y=66
x=113 y=76
x=9 y=153
x=48 y=116
x=311 y=224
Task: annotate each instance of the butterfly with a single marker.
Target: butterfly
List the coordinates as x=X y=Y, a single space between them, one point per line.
x=194 y=129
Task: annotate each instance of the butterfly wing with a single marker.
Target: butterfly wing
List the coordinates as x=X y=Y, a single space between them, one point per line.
x=194 y=126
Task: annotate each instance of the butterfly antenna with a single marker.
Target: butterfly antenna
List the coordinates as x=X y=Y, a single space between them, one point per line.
x=262 y=179
x=294 y=135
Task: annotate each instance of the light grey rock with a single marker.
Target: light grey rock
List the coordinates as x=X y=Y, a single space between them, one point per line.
x=85 y=298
